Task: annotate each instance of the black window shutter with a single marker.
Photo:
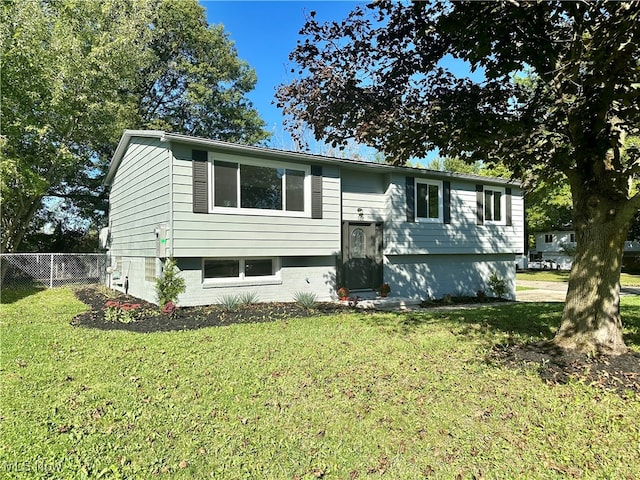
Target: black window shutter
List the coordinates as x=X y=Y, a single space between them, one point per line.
x=200 y=181
x=480 y=204
x=316 y=191
x=507 y=202
x=446 y=201
x=411 y=199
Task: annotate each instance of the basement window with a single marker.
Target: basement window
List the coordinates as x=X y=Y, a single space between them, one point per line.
x=240 y=271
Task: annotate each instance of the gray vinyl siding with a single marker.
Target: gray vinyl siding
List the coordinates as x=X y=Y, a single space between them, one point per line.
x=233 y=235
x=461 y=236
x=139 y=198
x=365 y=191
x=433 y=276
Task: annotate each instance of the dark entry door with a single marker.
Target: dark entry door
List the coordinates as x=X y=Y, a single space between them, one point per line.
x=362 y=255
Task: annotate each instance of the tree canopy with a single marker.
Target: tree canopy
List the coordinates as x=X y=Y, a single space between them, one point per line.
x=381 y=76
x=378 y=76
x=76 y=73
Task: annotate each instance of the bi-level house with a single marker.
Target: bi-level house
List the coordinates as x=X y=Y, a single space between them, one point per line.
x=239 y=218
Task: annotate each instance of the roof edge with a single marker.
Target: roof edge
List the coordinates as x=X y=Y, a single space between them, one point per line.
x=271 y=152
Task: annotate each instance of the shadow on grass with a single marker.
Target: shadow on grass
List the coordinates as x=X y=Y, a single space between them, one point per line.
x=15 y=294
x=521 y=320
x=631 y=324
x=518 y=334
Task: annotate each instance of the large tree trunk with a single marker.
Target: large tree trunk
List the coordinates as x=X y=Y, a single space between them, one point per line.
x=591 y=319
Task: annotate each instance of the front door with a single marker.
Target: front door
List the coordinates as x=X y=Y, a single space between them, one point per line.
x=362 y=255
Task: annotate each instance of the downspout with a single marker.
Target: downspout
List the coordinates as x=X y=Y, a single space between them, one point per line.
x=171 y=199
x=170 y=212
x=340 y=280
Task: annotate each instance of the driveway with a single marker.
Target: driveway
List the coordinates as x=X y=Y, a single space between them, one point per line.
x=541 y=291
x=553 y=291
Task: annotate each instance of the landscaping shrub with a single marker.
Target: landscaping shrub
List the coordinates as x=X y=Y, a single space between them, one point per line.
x=169 y=285
x=230 y=302
x=497 y=285
x=305 y=299
x=248 y=298
x=122 y=312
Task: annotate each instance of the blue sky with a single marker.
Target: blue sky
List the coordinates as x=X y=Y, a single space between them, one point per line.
x=265 y=32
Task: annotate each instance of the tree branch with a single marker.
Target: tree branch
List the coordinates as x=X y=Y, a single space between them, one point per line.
x=633 y=168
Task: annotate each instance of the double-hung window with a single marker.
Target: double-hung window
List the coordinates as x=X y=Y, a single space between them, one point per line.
x=494 y=205
x=255 y=188
x=428 y=200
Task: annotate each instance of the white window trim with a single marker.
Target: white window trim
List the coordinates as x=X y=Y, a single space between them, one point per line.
x=306 y=213
x=503 y=205
x=241 y=280
x=439 y=184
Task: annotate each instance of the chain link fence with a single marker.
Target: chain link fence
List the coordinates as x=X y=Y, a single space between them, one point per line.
x=20 y=270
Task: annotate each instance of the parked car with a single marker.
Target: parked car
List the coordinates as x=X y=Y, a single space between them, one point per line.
x=544 y=265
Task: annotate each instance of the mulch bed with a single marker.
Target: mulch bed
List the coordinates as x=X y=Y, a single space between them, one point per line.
x=555 y=365
x=149 y=319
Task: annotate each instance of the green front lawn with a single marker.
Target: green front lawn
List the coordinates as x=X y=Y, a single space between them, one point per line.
x=543 y=275
x=626 y=279
x=386 y=395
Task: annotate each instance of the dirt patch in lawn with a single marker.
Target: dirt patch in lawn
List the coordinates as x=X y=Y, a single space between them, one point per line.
x=559 y=366
x=145 y=317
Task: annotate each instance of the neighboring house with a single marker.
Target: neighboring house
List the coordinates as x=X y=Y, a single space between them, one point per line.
x=239 y=218
x=559 y=246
